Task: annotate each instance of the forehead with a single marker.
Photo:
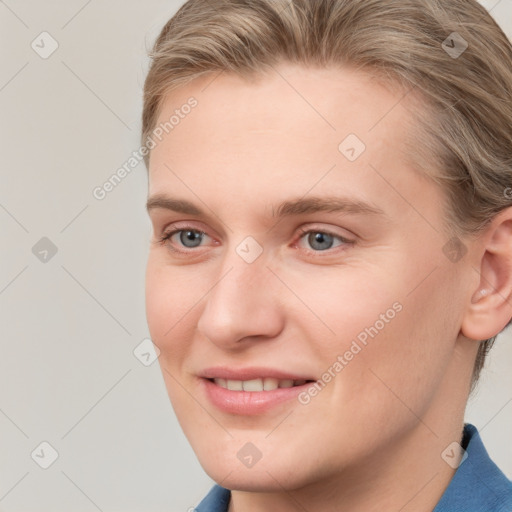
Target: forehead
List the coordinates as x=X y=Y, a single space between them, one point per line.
x=327 y=102
x=332 y=129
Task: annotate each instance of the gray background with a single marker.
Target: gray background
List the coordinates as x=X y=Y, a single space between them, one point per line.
x=70 y=324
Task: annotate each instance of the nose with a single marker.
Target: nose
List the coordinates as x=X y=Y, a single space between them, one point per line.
x=242 y=305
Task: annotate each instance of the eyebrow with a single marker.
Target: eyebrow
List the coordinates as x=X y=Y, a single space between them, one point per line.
x=299 y=206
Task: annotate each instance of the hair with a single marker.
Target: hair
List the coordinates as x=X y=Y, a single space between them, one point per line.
x=463 y=130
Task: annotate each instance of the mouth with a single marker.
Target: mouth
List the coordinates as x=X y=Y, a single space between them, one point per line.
x=252 y=391
x=259 y=384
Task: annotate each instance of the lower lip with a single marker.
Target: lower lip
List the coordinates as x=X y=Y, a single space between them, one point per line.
x=249 y=402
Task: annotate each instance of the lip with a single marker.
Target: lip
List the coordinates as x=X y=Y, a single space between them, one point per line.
x=249 y=403
x=249 y=373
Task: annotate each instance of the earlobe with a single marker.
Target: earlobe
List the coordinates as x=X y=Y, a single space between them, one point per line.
x=490 y=308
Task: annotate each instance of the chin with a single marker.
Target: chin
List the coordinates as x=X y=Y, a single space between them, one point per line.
x=270 y=473
x=252 y=480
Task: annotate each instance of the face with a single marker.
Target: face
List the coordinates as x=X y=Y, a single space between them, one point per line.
x=297 y=287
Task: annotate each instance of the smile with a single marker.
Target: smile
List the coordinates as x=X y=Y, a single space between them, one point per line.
x=245 y=392
x=253 y=385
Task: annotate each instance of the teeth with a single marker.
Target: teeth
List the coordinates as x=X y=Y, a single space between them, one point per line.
x=266 y=384
x=269 y=384
x=252 y=385
x=223 y=383
x=235 y=385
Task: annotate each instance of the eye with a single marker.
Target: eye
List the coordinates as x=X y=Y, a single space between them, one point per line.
x=318 y=241
x=187 y=238
x=190 y=238
x=314 y=240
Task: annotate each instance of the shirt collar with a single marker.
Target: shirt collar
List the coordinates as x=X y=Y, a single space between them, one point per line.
x=478 y=484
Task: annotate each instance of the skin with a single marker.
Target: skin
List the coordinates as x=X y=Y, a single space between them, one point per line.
x=372 y=438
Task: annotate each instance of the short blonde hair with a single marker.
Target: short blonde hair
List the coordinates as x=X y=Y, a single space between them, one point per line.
x=464 y=135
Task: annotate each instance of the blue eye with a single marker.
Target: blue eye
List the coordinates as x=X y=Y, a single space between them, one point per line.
x=190 y=238
x=320 y=241
x=313 y=240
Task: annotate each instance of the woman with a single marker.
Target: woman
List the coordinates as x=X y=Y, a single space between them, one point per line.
x=331 y=258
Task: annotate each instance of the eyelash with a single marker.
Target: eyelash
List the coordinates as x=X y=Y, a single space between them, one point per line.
x=166 y=236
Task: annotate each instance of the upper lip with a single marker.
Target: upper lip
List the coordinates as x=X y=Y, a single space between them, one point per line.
x=250 y=373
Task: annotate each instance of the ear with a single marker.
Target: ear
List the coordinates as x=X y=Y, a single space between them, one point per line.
x=490 y=307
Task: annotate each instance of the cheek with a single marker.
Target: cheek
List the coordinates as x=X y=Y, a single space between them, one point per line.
x=344 y=304
x=410 y=355
x=170 y=299
x=171 y=296
x=382 y=325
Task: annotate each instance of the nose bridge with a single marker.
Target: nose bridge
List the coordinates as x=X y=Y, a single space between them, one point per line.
x=240 y=282
x=241 y=302
x=244 y=266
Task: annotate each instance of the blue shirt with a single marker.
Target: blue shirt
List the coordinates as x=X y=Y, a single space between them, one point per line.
x=477 y=486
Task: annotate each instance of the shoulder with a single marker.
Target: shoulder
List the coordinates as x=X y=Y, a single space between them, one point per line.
x=478 y=484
